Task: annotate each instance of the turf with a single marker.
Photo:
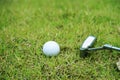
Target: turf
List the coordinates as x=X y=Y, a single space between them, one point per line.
x=25 y=25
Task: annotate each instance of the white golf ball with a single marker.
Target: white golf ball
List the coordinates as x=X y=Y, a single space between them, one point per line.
x=51 y=48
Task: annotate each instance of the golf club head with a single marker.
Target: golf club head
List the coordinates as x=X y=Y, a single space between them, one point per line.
x=89 y=41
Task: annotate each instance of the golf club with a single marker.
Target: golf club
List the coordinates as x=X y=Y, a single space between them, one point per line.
x=88 y=43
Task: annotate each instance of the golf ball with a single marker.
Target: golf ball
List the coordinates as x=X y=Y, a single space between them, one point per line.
x=51 y=48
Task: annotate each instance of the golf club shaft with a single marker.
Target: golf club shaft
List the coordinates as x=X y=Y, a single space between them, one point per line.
x=101 y=48
x=107 y=46
x=94 y=49
x=114 y=48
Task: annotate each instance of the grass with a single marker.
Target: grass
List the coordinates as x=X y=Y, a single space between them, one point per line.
x=26 y=25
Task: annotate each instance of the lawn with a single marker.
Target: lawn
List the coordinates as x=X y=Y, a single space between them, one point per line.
x=25 y=25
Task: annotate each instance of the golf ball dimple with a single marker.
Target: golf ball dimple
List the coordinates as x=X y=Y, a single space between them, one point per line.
x=51 y=48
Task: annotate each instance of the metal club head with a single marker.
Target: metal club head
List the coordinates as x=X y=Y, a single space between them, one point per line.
x=89 y=41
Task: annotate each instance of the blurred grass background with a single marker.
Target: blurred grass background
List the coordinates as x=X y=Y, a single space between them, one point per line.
x=26 y=25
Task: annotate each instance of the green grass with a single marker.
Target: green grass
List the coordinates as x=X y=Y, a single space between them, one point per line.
x=25 y=25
